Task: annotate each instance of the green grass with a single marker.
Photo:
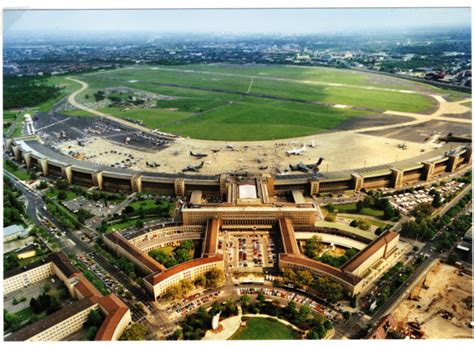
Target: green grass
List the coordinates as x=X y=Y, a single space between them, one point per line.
x=145 y=204
x=26 y=261
x=221 y=113
x=123 y=225
x=468 y=104
x=19 y=173
x=77 y=113
x=376 y=223
x=28 y=313
x=53 y=193
x=264 y=329
x=151 y=118
x=351 y=208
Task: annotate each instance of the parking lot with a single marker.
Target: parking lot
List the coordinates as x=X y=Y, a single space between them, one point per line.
x=406 y=202
x=187 y=305
x=251 y=252
x=108 y=280
x=279 y=293
x=97 y=208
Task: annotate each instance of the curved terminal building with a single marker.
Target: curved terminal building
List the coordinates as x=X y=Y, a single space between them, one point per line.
x=426 y=167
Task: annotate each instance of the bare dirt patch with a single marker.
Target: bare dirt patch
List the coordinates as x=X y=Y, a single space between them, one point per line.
x=441 y=303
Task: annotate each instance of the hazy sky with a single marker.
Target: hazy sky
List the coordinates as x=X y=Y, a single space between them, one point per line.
x=238 y=21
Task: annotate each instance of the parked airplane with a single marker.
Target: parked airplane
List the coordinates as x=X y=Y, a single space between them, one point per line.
x=193 y=168
x=198 y=155
x=295 y=151
x=307 y=167
x=152 y=164
x=230 y=146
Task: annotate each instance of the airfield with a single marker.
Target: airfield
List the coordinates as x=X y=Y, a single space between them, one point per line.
x=254 y=118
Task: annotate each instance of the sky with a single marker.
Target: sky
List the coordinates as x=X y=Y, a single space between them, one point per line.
x=289 y=21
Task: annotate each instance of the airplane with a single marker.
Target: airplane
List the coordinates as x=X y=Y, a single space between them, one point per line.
x=193 y=168
x=230 y=146
x=152 y=164
x=307 y=167
x=198 y=155
x=215 y=150
x=402 y=146
x=295 y=151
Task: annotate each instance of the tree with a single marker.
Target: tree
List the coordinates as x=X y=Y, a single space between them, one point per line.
x=214 y=276
x=187 y=245
x=139 y=223
x=354 y=223
x=389 y=212
x=359 y=206
x=200 y=281
x=42 y=185
x=379 y=231
x=313 y=247
x=135 y=332
x=261 y=297
x=328 y=289
x=94 y=319
x=330 y=217
x=181 y=255
x=363 y=224
x=46 y=287
x=290 y=276
x=91 y=332
x=245 y=299
x=304 y=277
x=422 y=211
x=436 y=200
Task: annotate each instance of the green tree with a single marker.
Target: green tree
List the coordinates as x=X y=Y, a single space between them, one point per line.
x=91 y=333
x=135 y=332
x=214 y=276
x=304 y=277
x=360 y=206
x=200 y=281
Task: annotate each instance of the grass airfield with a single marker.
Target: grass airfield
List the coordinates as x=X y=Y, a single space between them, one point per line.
x=254 y=102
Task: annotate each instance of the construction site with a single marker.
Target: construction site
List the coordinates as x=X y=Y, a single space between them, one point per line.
x=438 y=309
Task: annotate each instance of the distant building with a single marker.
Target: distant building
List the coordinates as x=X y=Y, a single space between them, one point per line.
x=14 y=232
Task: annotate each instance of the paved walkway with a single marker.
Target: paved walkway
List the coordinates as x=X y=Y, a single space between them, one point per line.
x=229 y=327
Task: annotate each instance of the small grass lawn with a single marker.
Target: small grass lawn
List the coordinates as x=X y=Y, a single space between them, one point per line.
x=265 y=329
x=351 y=208
x=27 y=314
x=20 y=173
x=53 y=193
x=120 y=226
